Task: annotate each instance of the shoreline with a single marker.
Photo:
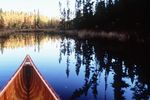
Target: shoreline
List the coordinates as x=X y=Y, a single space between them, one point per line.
x=85 y=34
x=3 y=31
x=121 y=36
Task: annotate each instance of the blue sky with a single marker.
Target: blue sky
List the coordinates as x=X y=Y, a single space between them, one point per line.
x=49 y=8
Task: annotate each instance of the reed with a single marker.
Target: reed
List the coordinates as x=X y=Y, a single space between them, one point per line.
x=122 y=36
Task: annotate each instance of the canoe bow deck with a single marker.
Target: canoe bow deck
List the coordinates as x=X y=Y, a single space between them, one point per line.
x=28 y=84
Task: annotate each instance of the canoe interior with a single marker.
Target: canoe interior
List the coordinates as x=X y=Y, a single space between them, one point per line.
x=28 y=84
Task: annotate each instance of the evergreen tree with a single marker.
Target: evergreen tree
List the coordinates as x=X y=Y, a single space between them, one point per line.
x=2 y=24
x=100 y=14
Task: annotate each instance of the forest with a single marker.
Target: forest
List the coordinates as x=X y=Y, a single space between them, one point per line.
x=108 y=15
x=130 y=16
x=23 y=20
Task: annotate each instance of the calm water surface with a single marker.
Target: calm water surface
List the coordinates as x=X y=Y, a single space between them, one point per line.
x=78 y=69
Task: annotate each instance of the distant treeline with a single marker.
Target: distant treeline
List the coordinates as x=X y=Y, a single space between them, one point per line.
x=21 y=20
x=109 y=14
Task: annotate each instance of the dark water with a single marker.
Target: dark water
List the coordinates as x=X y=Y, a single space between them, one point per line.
x=80 y=69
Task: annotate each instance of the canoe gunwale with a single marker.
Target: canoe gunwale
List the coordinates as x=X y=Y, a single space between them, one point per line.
x=44 y=81
x=13 y=77
x=48 y=86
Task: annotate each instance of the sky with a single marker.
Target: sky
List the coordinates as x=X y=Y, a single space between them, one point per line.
x=49 y=8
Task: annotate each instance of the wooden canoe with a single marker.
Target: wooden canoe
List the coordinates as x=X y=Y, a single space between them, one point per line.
x=28 y=84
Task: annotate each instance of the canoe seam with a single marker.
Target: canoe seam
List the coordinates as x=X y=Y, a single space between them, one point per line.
x=51 y=90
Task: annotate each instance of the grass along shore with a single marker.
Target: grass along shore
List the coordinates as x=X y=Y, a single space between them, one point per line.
x=10 y=31
x=82 y=34
x=121 y=36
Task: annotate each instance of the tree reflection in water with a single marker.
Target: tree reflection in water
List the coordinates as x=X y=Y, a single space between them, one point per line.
x=87 y=51
x=65 y=49
x=96 y=58
x=22 y=39
x=142 y=84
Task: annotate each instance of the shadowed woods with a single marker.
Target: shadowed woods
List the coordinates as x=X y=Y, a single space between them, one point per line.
x=110 y=16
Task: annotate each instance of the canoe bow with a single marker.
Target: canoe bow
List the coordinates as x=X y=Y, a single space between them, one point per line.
x=28 y=84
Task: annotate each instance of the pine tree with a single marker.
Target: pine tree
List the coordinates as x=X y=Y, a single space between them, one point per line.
x=2 y=24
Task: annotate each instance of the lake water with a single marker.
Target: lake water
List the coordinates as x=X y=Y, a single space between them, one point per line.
x=79 y=69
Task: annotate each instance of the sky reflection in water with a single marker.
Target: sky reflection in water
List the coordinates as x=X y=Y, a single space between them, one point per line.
x=77 y=69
